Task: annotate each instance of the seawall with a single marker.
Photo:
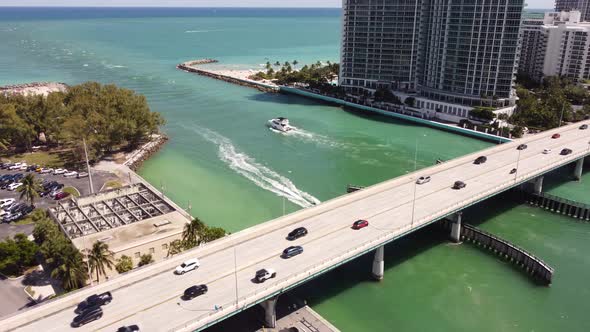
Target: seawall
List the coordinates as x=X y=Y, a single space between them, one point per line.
x=404 y=117
x=139 y=156
x=234 y=80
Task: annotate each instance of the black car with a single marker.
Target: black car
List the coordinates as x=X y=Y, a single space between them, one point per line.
x=92 y=314
x=297 y=233
x=584 y=127
x=512 y=171
x=480 y=160
x=130 y=328
x=194 y=291
x=32 y=168
x=459 y=185
x=565 y=152
x=94 y=301
x=292 y=251
x=14 y=216
x=522 y=147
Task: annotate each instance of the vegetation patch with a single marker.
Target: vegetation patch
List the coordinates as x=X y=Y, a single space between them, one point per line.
x=72 y=191
x=113 y=184
x=42 y=158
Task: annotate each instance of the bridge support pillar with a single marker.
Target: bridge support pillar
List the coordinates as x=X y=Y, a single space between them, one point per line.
x=378 y=264
x=270 y=312
x=456 y=227
x=578 y=169
x=539 y=185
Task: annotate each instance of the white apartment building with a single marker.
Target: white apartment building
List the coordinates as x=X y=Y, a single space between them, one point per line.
x=557 y=45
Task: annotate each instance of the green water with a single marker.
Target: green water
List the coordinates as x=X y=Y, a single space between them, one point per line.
x=234 y=172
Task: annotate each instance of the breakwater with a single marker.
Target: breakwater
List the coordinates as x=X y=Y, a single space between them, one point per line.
x=190 y=67
x=533 y=266
x=559 y=205
x=139 y=156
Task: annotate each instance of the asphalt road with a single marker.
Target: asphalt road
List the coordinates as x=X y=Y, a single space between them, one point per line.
x=13 y=296
x=228 y=265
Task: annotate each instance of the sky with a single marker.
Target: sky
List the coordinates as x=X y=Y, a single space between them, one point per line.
x=207 y=3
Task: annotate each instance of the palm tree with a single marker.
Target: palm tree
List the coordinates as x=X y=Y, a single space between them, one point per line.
x=70 y=270
x=30 y=188
x=295 y=62
x=277 y=63
x=99 y=258
x=268 y=65
x=192 y=233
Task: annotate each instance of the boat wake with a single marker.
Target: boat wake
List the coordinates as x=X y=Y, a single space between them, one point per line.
x=261 y=175
x=310 y=137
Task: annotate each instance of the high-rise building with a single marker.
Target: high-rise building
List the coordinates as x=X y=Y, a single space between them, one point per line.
x=583 y=6
x=453 y=51
x=558 y=45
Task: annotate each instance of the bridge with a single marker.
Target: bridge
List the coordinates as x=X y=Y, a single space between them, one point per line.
x=150 y=296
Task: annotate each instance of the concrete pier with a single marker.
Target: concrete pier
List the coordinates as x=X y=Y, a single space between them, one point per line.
x=270 y=312
x=579 y=168
x=538 y=185
x=378 y=264
x=456 y=227
x=561 y=205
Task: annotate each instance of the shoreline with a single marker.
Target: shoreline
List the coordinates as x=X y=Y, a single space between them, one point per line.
x=34 y=88
x=136 y=158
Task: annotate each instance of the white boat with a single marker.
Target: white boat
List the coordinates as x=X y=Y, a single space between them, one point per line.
x=281 y=124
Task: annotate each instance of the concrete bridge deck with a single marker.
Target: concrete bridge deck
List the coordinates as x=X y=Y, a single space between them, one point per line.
x=150 y=297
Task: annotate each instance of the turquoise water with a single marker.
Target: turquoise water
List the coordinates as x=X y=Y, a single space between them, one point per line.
x=234 y=172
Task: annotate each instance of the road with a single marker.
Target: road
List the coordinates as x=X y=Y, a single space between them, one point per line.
x=228 y=265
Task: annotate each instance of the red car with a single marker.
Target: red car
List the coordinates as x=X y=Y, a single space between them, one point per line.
x=556 y=136
x=61 y=195
x=360 y=224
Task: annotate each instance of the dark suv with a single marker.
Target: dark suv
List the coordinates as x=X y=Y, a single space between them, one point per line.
x=297 y=233
x=87 y=316
x=130 y=328
x=459 y=185
x=292 y=251
x=194 y=291
x=95 y=300
x=565 y=152
x=522 y=147
x=480 y=160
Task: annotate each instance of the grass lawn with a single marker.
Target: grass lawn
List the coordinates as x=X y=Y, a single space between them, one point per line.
x=43 y=158
x=31 y=218
x=72 y=191
x=114 y=184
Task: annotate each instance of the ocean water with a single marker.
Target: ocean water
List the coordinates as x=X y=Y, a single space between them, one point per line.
x=234 y=172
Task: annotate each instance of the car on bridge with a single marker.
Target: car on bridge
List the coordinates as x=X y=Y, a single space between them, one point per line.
x=547 y=151
x=297 y=233
x=512 y=171
x=360 y=224
x=129 y=328
x=95 y=300
x=522 y=147
x=194 y=291
x=292 y=251
x=92 y=314
x=480 y=160
x=584 y=127
x=459 y=185
x=565 y=152
x=187 y=266
x=423 y=180
x=264 y=274
x=556 y=136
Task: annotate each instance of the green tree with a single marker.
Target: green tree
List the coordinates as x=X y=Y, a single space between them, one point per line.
x=124 y=264
x=100 y=258
x=145 y=259
x=30 y=188
x=277 y=63
x=295 y=62
x=44 y=229
x=191 y=235
x=70 y=269
x=174 y=248
x=268 y=65
x=17 y=254
x=213 y=233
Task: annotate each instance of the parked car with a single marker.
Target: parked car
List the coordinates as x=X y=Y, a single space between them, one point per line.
x=14 y=186
x=292 y=251
x=31 y=168
x=2 y=213
x=360 y=224
x=297 y=233
x=82 y=175
x=480 y=160
x=15 y=166
x=512 y=171
x=61 y=195
x=6 y=202
x=522 y=147
x=130 y=328
x=556 y=136
x=423 y=180
x=546 y=151
x=23 y=167
x=194 y=291
x=565 y=152
x=46 y=170
x=584 y=127
x=264 y=274
x=70 y=174
x=12 y=216
x=38 y=169
x=94 y=300
x=187 y=266
x=92 y=314
x=59 y=171
x=459 y=185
